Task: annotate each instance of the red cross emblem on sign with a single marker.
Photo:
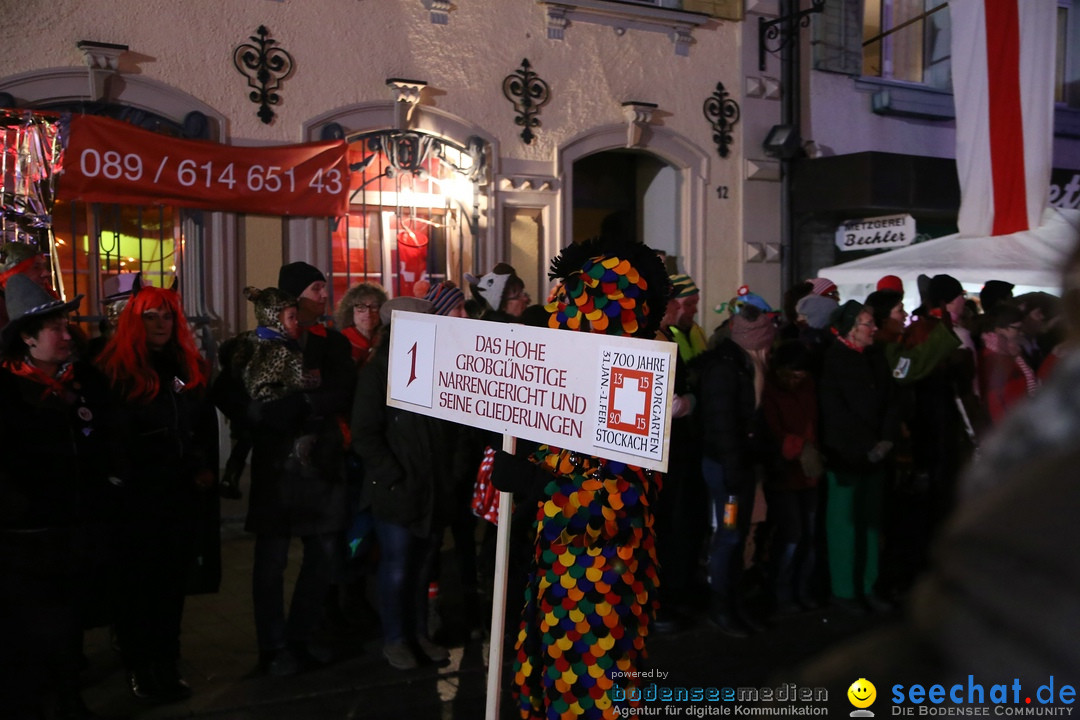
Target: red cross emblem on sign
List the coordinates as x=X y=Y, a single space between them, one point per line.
x=628 y=405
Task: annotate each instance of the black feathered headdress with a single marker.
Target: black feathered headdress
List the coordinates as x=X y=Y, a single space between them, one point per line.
x=610 y=286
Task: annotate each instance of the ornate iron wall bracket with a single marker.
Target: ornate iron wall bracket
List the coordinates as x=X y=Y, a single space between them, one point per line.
x=780 y=30
x=265 y=67
x=722 y=113
x=528 y=93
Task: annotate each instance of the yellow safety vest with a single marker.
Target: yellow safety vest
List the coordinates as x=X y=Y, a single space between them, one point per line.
x=690 y=344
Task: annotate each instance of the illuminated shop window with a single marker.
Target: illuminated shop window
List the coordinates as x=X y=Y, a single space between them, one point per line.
x=414 y=211
x=95 y=242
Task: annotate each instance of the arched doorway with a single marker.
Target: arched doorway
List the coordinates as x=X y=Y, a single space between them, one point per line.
x=661 y=186
x=638 y=187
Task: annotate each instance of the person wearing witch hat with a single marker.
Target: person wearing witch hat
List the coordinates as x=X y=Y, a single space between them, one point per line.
x=57 y=425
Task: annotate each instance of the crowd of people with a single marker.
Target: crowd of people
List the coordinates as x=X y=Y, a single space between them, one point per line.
x=814 y=454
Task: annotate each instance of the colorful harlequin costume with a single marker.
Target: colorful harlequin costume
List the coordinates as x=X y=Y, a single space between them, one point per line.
x=591 y=590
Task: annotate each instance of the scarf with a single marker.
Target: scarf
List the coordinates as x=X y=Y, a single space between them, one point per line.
x=52 y=385
x=847 y=343
x=756 y=334
x=1030 y=380
x=267 y=333
x=992 y=342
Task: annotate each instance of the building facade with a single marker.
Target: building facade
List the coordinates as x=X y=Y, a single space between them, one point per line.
x=637 y=106
x=877 y=122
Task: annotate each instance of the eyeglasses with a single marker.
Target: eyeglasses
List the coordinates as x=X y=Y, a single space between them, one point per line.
x=365 y=308
x=867 y=324
x=520 y=296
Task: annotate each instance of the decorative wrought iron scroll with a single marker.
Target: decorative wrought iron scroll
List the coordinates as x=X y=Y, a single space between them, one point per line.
x=265 y=67
x=528 y=93
x=722 y=113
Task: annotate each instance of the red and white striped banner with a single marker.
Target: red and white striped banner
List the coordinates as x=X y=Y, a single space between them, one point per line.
x=1003 y=86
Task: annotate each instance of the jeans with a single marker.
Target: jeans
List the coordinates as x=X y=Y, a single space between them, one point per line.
x=793 y=514
x=268 y=589
x=405 y=565
x=727 y=544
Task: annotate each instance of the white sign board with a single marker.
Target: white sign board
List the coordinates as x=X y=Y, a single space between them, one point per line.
x=595 y=394
x=880 y=233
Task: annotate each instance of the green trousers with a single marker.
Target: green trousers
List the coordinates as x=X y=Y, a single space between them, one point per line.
x=852 y=525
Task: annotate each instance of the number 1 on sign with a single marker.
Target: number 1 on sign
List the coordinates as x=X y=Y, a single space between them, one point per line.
x=412 y=370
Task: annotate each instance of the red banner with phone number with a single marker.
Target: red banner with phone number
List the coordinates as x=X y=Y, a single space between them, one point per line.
x=111 y=161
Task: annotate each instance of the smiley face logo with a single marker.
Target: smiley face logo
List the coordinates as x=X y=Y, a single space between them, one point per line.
x=862 y=693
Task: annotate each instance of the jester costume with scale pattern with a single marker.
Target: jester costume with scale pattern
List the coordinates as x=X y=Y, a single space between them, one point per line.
x=591 y=595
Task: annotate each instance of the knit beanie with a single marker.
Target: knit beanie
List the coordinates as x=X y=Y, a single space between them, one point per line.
x=891 y=282
x=882 y=302
x=752 y=329
x=943 y=289
x=817 y=309
x=444 y=297
x=822 y=286
x=993 y=292
x=844 y=317
x=294 y=278
x=683 y=286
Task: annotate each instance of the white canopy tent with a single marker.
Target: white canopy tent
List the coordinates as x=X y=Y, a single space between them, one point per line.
x=1030 y=259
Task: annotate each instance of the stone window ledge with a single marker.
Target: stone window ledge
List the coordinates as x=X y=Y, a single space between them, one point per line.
x=623 y=16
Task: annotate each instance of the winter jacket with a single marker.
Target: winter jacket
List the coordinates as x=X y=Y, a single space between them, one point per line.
x=59 y=450
x=858 y=409
x=730 y=424
x=411 y=461
x=791 y=416
x=169 y=439
x=298 y=446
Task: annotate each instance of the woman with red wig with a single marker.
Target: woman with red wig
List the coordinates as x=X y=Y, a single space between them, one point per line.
x=159 y=380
